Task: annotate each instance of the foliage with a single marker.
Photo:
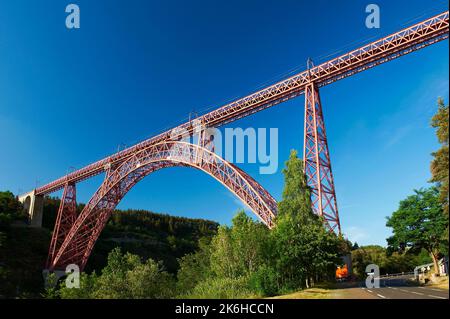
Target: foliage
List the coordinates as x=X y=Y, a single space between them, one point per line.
x=157 y=236
x=440 y=163
x=194 y=268
x=222 y=268
x=305 y=250
x=419 y=223
x=238 y=251
x=10 y=209
x=22 y=251
x=125 y=276
x=255 y=261
x=388 y=262
x=86 y=290
x=265 y=281
x=222 y=288
x=51 y=289
x=22 y=258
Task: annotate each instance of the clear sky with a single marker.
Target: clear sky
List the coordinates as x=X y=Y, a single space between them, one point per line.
x=134 y=68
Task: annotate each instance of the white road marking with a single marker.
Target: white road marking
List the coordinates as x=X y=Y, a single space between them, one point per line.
x=394 y=288
x=404 y=290
x=438 y=290
x=436 y=297
x=417 y=293
x=369 y=290
x=381 y=296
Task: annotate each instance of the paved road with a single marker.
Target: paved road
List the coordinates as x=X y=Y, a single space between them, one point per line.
x=397 y=288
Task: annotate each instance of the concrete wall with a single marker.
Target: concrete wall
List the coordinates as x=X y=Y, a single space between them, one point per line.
x=34 y=205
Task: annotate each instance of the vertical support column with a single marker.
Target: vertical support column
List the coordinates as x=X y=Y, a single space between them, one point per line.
x=67 y=215
x=34 y=206
x=317 y=164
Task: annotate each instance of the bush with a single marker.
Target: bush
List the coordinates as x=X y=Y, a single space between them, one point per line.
x=265 y=281
x=125 y=276
x=222 y=288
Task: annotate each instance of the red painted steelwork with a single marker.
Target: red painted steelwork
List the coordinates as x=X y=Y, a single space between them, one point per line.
x=79 y=241
x=386 y=49
x=67 y=215
x=317 y=161
x=74 y=236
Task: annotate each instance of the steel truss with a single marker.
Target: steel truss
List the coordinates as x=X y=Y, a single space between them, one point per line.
x=317 y=161
x=67 y=215
x=74 y=236
x=408 y=40
x=78 y=242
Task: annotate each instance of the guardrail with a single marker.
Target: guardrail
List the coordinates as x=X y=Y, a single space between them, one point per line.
x=386 y=276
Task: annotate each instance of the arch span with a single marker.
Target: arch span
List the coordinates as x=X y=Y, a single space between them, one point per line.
x=77 y=245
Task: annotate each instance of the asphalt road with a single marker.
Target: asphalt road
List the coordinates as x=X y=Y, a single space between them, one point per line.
x=397 y=288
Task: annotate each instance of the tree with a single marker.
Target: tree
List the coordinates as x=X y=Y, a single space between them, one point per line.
x=124 y=277
x=194 y=268
x=302 y=250
x=419 y=223
x=10 y=209
x=296 y=198
x=237 y=251
x=440 y=163
x=388 y=262
x=86 y=290
x=223 y=267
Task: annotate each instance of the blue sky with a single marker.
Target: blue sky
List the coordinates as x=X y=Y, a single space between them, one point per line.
x=134 y=68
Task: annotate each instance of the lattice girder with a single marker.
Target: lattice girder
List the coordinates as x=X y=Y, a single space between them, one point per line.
x=79 y=242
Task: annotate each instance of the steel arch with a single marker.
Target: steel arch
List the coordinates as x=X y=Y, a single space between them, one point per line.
x=80 y=240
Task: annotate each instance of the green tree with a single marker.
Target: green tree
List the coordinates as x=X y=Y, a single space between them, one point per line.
x=149 y=280
x=10 y=209
x=363 y=256
x=388 y=261
x=440 y=163
x=419 y=224
x=194 y=268
x=86 y=290
x=301 y=250
x=237 y=251
x=296 y=197
x=51 y=289
x=124 y=277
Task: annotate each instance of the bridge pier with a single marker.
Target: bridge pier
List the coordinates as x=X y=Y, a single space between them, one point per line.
x=34 y=205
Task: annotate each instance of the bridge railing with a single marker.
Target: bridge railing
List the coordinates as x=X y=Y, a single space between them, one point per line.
x=401 y=274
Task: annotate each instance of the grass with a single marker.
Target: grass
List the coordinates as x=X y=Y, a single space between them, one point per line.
x=325 y=290
x=442 y=284
x=311 y=293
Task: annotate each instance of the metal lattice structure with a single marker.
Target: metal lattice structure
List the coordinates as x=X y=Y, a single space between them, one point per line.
x=381 y=51
x=84 y=231
x=67 y=215
x=74 y=236
x=317 y=163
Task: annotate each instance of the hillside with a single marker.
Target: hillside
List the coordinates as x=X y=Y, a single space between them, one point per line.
x=144 y=233
x=23 y=250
